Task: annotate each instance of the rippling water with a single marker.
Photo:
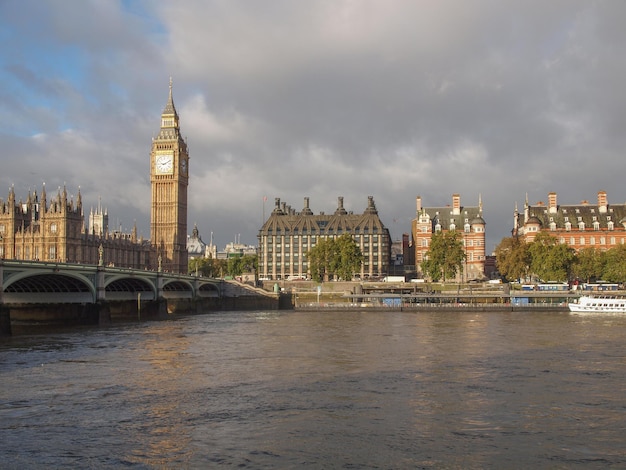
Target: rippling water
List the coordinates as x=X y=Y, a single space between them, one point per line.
x=322 y=389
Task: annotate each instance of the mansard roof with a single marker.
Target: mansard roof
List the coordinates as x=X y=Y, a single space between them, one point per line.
x=446 y=217
x=284 y=219
x=577 y=213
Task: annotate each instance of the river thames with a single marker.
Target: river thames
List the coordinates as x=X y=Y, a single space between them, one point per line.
x=379 y=390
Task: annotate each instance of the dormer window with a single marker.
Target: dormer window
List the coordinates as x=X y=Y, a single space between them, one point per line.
x=596 y=225
x=568 y=226
x=552 y=226
x=610 y=225
x=581 y=226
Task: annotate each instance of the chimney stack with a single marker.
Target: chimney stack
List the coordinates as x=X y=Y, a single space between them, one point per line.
x=552 y=203
x=456 y=204
x=602 y=202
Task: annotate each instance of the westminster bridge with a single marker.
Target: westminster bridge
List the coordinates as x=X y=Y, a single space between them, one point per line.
x=64 y=293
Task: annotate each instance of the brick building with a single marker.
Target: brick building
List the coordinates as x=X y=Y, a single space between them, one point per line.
x=584 y=225
x=467 y=220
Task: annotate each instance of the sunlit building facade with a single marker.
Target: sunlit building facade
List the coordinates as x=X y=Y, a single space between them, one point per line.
x=466 y=220
x=584 y=225
x=287 y=235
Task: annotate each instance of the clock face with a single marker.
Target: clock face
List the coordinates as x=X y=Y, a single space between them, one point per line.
x=183 y=165
x=164 y=163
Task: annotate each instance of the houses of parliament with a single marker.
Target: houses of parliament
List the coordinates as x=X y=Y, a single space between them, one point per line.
x=52 y=228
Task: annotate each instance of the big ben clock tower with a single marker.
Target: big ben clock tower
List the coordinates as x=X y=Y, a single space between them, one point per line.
x=169 y=178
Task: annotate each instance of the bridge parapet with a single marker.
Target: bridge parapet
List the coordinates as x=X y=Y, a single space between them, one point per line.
x=37 y=282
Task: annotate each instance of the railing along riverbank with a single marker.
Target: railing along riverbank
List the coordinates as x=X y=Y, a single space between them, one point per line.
x=434 y=307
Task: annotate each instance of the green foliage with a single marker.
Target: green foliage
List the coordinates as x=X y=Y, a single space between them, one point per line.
x=330 y=257
x=445 y=256
x=513 y=258
x=208 y=267
x=348 y=257
x=550 y=260
x=589 y=264
x=237 y=265
x=615 y=264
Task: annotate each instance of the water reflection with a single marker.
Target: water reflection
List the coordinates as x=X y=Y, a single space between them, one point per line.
x=323 y=389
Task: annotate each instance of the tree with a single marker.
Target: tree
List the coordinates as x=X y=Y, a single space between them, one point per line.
x=445 y=256
x=550 y=260
x=615 y=266
x=513 y=258
x=341 y=257
x=349 y=257
x=237 y=265
x=589 y=264
x=207 y=267
x=320 y=259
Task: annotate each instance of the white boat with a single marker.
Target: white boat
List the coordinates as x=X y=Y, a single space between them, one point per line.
x=599 y=304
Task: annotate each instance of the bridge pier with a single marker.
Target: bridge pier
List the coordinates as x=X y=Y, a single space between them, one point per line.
x=104 y=313
x=5 y=321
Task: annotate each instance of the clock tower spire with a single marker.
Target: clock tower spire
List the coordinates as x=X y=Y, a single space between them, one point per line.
x=169 y=178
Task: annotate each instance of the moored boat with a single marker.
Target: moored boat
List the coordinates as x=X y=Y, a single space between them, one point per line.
x=599 y=304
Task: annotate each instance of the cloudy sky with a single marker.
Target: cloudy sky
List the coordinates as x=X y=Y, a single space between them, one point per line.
x=318 y=99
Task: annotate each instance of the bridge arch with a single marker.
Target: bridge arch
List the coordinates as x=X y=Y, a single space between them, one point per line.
x=208 y=289
x=177 y=288
x=122 y=287
x=48 y=286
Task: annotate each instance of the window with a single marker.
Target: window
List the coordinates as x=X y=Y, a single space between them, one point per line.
x=52 y=252
x=552 y=226
x=53 y=228
x=568 y=226
x=610 y=225
x=582 y=241
x=581 y=225
x=596 y=225
x=2 y=228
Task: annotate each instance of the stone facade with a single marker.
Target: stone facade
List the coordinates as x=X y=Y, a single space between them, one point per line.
x=54 y=230
x=169 y=178
x=287 y=235
x=601 y=225
x=468 y=221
